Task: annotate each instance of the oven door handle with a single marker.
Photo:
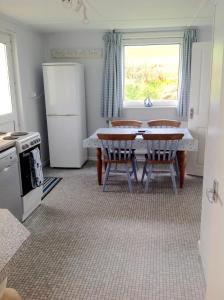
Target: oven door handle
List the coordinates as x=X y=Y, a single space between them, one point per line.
x=25 y=154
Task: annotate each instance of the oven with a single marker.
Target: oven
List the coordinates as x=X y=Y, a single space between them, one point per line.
x=31 y=194
x=30 y=169
x=25 y=170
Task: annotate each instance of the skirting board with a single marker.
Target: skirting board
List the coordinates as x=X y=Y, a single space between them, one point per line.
x=200 y=257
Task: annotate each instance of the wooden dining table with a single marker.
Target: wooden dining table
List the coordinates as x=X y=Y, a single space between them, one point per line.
x=188 y=143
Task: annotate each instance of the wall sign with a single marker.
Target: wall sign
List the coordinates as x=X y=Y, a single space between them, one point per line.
x=77 y=53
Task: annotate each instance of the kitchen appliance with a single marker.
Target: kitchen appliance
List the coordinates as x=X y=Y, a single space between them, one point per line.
x=10 y=183
x=25 y=142
x=66 y=113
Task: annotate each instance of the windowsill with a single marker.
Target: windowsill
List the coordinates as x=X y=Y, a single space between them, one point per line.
x=155 y=104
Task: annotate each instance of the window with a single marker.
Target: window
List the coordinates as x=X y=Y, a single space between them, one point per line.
x=151 y=70
x=8 y=111
x=5 y=94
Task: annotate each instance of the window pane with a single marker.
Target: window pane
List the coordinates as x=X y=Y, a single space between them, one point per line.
x=151 y=71
x=5 y=95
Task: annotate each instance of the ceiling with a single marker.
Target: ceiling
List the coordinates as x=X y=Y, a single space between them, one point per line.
x=51 y=15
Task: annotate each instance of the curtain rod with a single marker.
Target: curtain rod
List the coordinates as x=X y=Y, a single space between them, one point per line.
x=170 y=29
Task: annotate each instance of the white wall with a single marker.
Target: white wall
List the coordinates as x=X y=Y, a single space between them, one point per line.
x=93 y=69
x=93 y=72
x=33 y=48
x=29 y=54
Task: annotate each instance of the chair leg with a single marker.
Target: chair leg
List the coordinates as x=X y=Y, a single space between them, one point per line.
x=144 y=172
x=177 y=167
x=106 y=176
x=172 y=173
x=136 y=164
x=105 y=165
x=149 y=174
x=134 y=169
x=129 y=179
x=134 y=157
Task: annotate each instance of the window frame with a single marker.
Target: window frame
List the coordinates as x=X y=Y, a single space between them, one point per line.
x=153 y=38
x=7 y=39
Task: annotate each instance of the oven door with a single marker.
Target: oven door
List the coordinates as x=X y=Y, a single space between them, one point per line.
x=25 y=170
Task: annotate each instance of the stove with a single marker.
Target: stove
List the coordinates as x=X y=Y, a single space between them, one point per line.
x=9 y=138
x=25 y=142
x=19 y=133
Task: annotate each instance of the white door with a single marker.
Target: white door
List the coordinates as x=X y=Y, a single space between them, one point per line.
x=64 y=89
x=199 y=104
x=212 y=226
x=65 y=135
x=8 y=112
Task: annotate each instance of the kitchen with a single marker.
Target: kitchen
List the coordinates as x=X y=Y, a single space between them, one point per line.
x=24 y=153
x=85 y=243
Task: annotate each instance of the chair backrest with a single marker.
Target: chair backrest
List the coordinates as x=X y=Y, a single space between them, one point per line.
x=117 y=147
x=162 y=147
x=161 y=123
x=126 y=123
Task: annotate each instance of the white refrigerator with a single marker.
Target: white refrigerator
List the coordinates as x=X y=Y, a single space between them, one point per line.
x=66 y=113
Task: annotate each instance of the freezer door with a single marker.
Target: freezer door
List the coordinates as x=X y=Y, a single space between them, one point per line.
x=64 y=89
x=65 y=136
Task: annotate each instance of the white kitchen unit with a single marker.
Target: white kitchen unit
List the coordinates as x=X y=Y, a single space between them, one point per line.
x=66 y=113
x=9 y=177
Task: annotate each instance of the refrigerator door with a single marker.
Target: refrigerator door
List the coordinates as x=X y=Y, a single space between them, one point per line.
x=64 y=89
x=65 y=136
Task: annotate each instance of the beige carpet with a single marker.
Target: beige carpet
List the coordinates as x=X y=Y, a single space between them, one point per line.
x=86 y=244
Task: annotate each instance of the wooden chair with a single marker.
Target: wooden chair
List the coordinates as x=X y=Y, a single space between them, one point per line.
x=126 y=123
x=164 y=123
x=161 y=149
x=117 y=150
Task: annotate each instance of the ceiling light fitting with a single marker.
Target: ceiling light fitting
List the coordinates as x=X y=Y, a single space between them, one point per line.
x=78 y=6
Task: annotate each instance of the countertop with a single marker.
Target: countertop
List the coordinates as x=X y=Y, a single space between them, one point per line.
x=4 y=145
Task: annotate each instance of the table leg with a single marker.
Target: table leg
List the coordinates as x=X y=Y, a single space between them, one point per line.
x=99 y=165
x=181 y=157
x=105 y=165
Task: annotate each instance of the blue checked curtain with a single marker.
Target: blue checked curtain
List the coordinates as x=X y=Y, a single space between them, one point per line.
x=190 y=36
x=112 y=76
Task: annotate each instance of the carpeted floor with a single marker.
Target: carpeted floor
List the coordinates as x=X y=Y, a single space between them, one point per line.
x=86 y=244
